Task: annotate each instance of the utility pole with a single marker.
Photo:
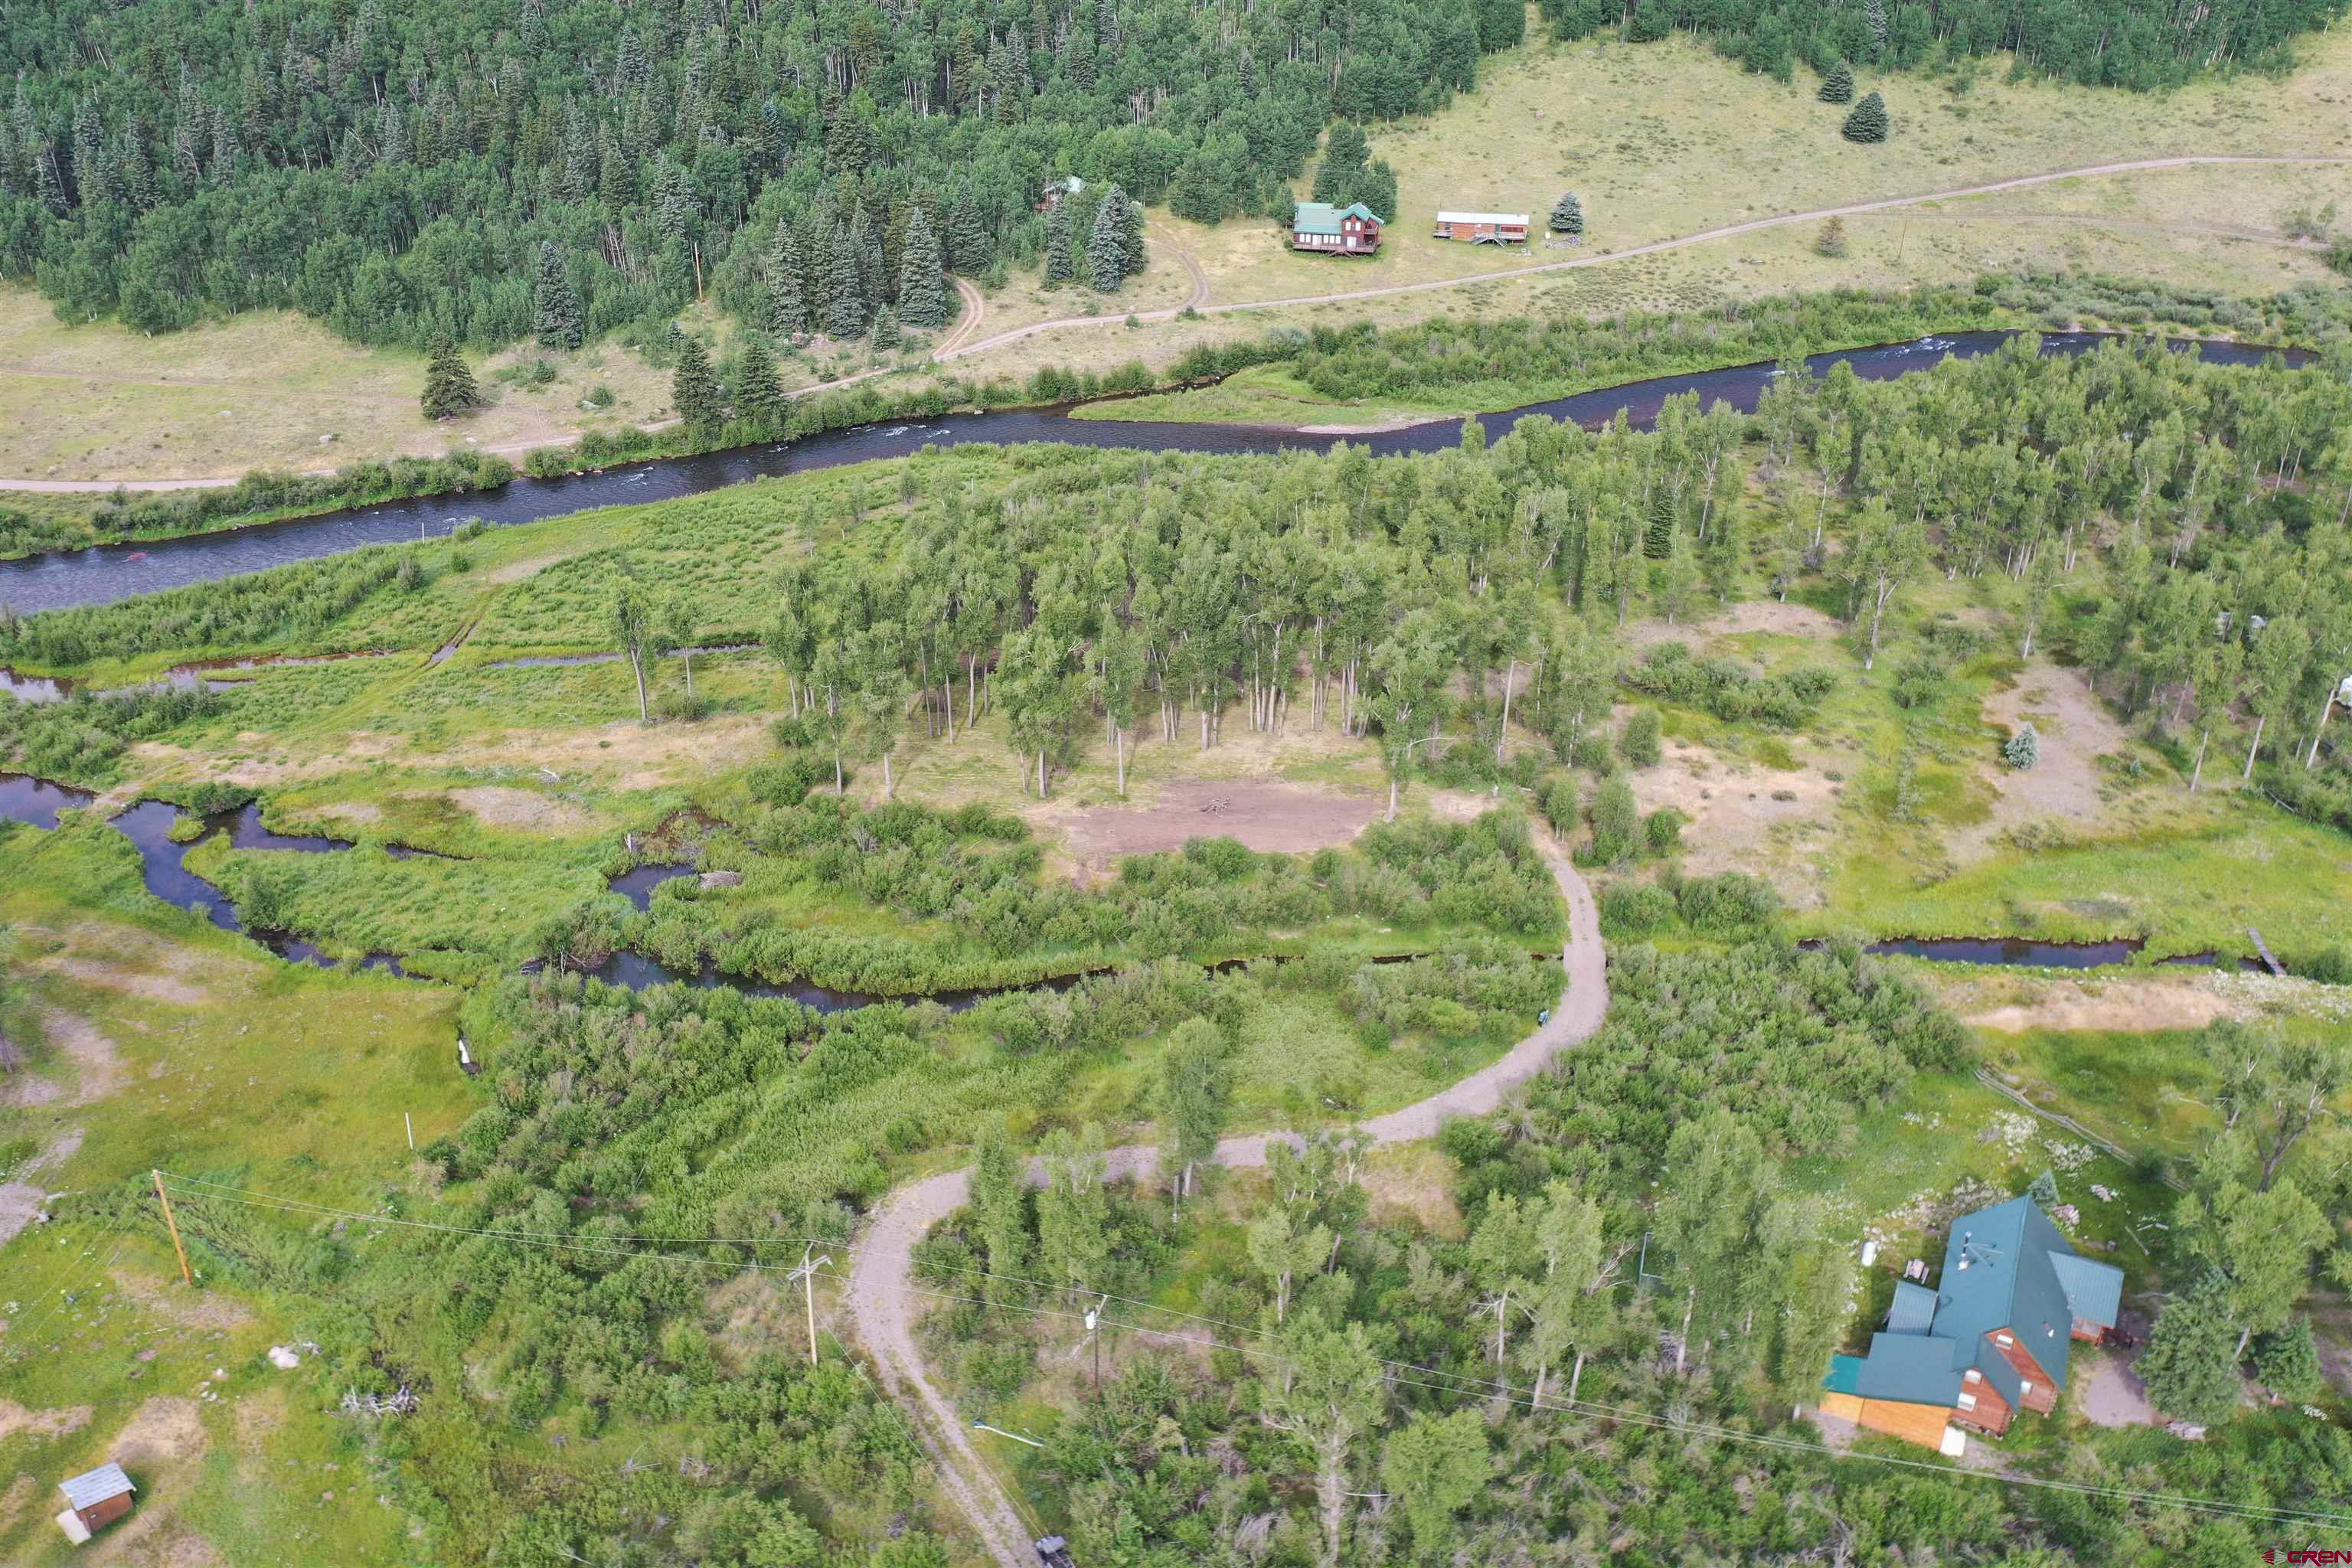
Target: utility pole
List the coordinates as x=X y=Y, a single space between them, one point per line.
x=806 y=1275
x=174 y=1227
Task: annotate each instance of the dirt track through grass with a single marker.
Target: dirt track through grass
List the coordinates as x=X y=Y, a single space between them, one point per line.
x=961 y=344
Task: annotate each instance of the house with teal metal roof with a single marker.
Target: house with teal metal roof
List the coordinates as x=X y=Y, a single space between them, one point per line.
x=1989 y=1339
x=1351 y=230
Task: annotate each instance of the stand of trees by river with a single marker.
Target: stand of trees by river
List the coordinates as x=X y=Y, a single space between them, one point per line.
x=2187 y=523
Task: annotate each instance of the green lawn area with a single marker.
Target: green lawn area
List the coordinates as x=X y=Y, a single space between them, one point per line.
x=2196 y=890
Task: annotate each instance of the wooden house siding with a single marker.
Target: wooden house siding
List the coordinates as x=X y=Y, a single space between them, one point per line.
x=1357 y=237
x=1990 y=1412
x=1480 y=230
x=2042 y=1397
x=98 y=1515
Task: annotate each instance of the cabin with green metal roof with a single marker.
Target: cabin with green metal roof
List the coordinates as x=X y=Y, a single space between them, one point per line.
x=1351 y=230
x=1989 y=1339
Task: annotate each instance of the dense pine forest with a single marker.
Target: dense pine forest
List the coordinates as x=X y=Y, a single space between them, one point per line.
x=2138 y=44
x=410 y=172
x=415 y=173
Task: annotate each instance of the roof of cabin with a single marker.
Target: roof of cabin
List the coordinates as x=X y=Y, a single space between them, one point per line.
x=1322 y=217
x=2006 y=1267
x=94 y=1486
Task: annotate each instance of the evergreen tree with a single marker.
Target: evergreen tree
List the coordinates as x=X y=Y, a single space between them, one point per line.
x=1059 y=267
x=1377 y=189
x=845 y=297
x=1567 y=216
x=886 y=328
x=556 y=318
x=1106 y=246
x=969 y=249
x=2288 y=1363
x=758 y=396
x=922 y=293
x=694 y=389
x=1830 y=241
x=1344 y=155
x=787 y=312
x=1658 y=540
x=449 y=386
x=1868 y=121
x=2023 y=749
x=2190 y=1367
x=1130 y=231
x=1838 y=86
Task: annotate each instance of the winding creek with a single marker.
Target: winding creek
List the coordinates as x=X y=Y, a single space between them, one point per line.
x=105 y=573
x=148 y=825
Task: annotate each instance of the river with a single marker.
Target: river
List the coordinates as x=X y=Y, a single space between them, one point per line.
x=105 y=573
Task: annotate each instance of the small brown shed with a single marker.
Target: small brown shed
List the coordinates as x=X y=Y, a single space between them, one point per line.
x=94 y=1499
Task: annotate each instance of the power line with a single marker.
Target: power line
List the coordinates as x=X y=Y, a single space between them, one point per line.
x=1454 y=1384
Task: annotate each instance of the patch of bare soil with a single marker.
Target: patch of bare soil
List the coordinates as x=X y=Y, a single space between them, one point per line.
x=97 y=1066
x=516 y=570
x=166 y=1430
x=102 y=975
x=2075 y=730
x=22 y=1200
x=171 y=1544
x=1742 y=817
x=495 y=806
x=17 y=1497
x=2133 y=1005
x=16 y=1421
x=2113 y=1395
x=1267 y=814
x=358 y=812
x=1768 y=616
x=187 y=1309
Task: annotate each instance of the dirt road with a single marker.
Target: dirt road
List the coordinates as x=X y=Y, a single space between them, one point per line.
x=1602 y=259
x=881 y=1283
x=961 y=341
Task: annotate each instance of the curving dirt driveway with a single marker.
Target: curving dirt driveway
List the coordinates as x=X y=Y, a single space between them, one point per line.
x=881 y=1283
x=962 y=342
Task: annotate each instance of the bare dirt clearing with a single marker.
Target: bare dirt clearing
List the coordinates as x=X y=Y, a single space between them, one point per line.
x=2134 y=1006
x=2076 y=731
x=522 y=808
x=1267 y=814
x=180 y=1307
x=22 y=1200
x=97 y=1066
x=1768 y=616
x=164 y=1430
x=1743 y=816
x=16 y=1421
